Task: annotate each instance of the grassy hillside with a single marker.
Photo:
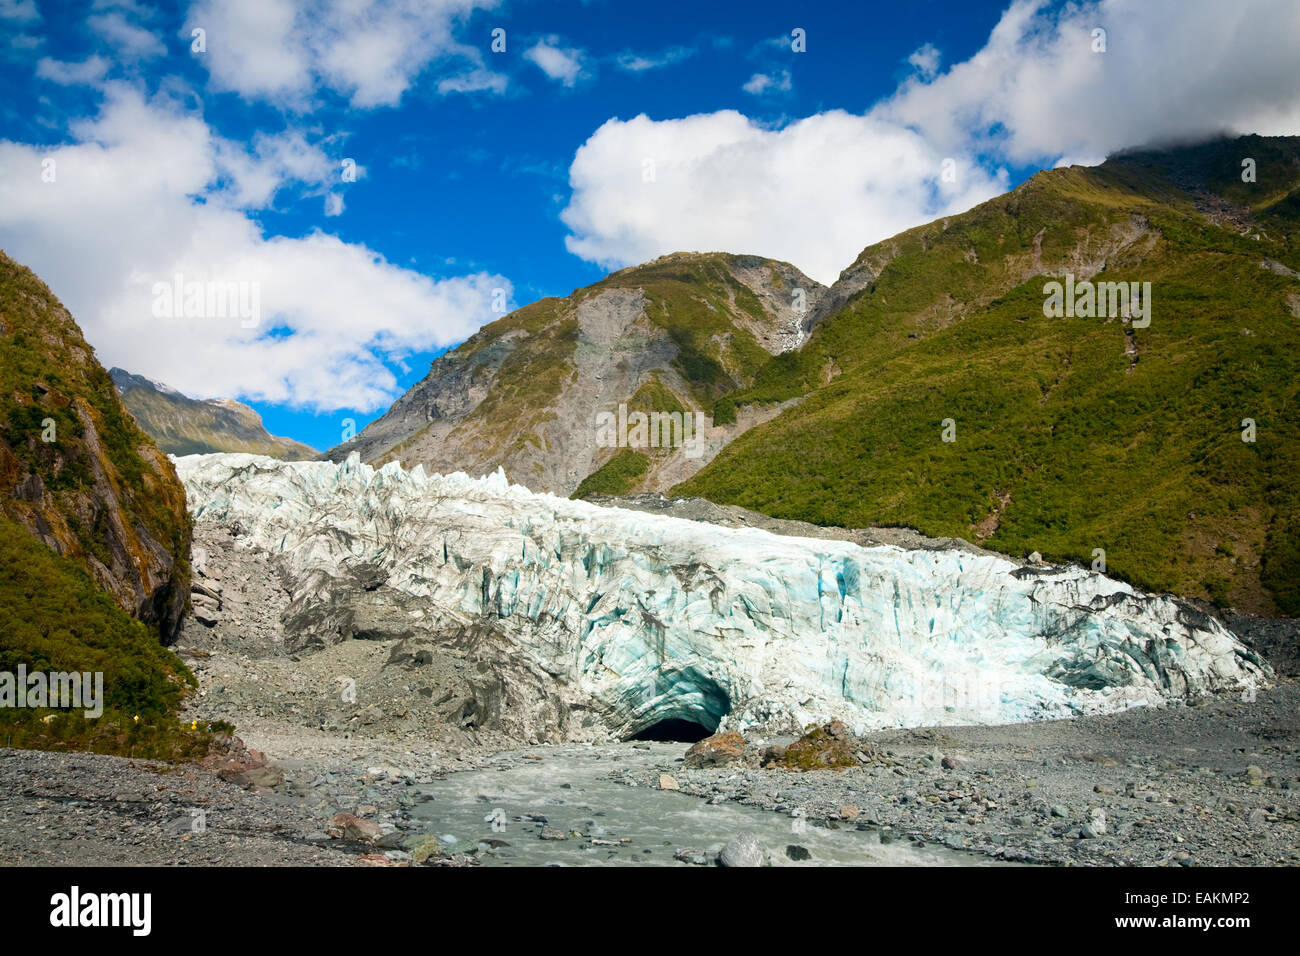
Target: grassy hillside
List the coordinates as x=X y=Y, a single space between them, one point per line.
x=54 y=618
x=1071 y=434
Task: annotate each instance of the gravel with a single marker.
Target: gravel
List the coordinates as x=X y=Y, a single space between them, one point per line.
x=1215 y=783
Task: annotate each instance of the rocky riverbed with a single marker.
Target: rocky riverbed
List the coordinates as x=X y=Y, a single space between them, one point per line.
x=1210 y=784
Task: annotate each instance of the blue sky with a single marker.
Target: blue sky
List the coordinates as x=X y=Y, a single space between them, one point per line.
x=489 y=177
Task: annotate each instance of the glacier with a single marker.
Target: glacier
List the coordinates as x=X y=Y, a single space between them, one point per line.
x=629 y=619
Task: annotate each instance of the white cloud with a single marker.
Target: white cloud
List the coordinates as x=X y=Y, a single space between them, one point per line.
x=1172 y=70
x=333 y=204
x=252 y=174
x=813 y=193
x=819 y=190
x=88 y=71
x=141 y=11
x=16 y=16
x=474 y=81
x=19 y=11
x=926 y=60
x=129 y=40
x=145 y=192
x=639 y=63
x=564 y=65
x=370 y=51
x=761 y=83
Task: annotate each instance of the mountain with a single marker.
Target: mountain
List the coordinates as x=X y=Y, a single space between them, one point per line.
x=1169 y=442
x=532 y=391
x=187 y=426
x=75 y=471
x=94 y=543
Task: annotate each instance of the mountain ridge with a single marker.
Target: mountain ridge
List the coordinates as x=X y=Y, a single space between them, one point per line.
x=523 y=393
x=189 y=426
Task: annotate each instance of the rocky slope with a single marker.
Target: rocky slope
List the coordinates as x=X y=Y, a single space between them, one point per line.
x=524 y=393
x=582 y=622
x=75 y=471
x=186 y=426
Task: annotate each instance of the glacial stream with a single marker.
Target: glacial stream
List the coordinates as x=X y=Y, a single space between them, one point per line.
x=571 y=788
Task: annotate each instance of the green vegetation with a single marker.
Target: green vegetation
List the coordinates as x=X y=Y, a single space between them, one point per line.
x=654 y=396
x=617 y=476
x=698 y=301
x=75 y=466
x=820 y=748
x=625 y=469
x=1065 y=442
x=54 y=618
x=51 y=386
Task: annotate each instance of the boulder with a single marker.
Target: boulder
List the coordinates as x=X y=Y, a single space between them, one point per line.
x=246 y=768
x=829 y=747
x=716 y=751
x=744 y=850
x=352 y=827
x=424 y=848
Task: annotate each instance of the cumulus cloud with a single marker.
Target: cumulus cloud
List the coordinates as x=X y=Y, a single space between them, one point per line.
x=1173 y=70
x=820 y=189
x=371 y=51
x=145 y=192
x=565 y=65
x=812 y=193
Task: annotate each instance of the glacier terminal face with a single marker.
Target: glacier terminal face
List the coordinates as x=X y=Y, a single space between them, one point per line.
x=629 y=619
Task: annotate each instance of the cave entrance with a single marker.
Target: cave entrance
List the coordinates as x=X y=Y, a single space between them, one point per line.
x=674 y=730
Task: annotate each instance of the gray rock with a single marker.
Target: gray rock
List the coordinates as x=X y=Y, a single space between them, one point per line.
x=207 y=616
x=744 y=850
x=796 y=852
x=692 y=856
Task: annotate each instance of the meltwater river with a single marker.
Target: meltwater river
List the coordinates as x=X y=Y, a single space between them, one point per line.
x=570 y=789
